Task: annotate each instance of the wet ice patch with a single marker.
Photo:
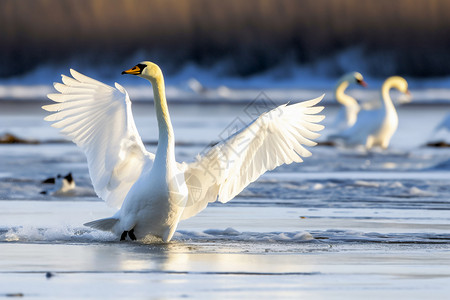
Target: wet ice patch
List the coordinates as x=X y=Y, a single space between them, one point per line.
x=327 y=236
x=350 y=236
x=362 y=183
x=396 y=185
x=30 y=234
x=389 y=165
x=416 y=192
x=231 y=234
x=68 y=235
x=304 y=236
x=227 y=232
x=318 y=186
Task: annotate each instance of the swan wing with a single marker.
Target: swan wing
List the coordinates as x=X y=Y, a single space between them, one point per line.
x=274 y=138
x=98 y=118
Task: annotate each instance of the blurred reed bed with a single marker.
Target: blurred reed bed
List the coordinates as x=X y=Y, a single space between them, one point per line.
x=409 y=37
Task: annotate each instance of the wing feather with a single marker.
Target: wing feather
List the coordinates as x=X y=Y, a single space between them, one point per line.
x=98 y=118
x=275 y=138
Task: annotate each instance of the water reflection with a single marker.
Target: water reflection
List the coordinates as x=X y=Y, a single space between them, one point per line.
x=180 y=257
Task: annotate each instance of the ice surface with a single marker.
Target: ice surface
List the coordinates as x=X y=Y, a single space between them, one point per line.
x=344 y=224
x=344 y=253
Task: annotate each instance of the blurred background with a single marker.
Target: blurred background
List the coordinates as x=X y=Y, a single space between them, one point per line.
x=370 y=224
x=286 y=39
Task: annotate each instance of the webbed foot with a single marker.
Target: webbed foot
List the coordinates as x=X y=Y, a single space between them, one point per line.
x=131 y=235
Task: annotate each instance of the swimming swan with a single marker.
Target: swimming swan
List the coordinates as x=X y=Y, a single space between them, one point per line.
x=348 y=113
x=376 y=127
x=153 y=191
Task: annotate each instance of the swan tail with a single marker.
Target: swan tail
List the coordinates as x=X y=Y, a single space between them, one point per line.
x=103 y=224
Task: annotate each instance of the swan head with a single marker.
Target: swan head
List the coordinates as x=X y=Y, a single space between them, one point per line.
x=145 y=69
x=357 y=78
x=397 y=82
x=353 y=77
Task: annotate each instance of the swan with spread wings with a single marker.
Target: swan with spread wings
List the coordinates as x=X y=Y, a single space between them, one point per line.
x=153 y=191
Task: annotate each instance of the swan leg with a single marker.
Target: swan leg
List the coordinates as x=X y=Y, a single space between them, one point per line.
x=124 y=236
x=131 y=235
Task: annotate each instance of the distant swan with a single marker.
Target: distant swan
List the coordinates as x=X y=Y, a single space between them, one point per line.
x=62 y=185
x=347 y=115
x=196 y=86
x=153 y=190
x=376 y=127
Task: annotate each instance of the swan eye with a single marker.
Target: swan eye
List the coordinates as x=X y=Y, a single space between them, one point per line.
x=141 y=67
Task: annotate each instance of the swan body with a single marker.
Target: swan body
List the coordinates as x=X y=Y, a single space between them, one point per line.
x=153 y=191
x=376 y=127
x=347 y=115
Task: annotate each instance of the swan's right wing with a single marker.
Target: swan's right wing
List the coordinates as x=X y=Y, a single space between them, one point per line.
x=276 y=137
x=98 y=118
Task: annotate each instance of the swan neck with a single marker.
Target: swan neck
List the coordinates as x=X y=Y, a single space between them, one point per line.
x=342 y=97
x=350 y=104
x=166 y=143
x=387 y=101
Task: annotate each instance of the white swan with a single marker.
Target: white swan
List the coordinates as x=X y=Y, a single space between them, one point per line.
x=66 y=187
x=347 y=115
x=376 y=127
x=62 y=185
x=154 y=191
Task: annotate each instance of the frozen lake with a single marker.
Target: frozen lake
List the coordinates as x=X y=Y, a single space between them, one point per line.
x=344 y=224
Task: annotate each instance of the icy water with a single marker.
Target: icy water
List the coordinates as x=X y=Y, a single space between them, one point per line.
x=344 y=224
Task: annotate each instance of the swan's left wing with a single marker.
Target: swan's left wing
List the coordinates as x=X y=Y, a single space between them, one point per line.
x=274 y=138
x=98 y=118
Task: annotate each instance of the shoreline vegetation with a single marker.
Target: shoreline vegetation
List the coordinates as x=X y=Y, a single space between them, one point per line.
x=408 y=37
